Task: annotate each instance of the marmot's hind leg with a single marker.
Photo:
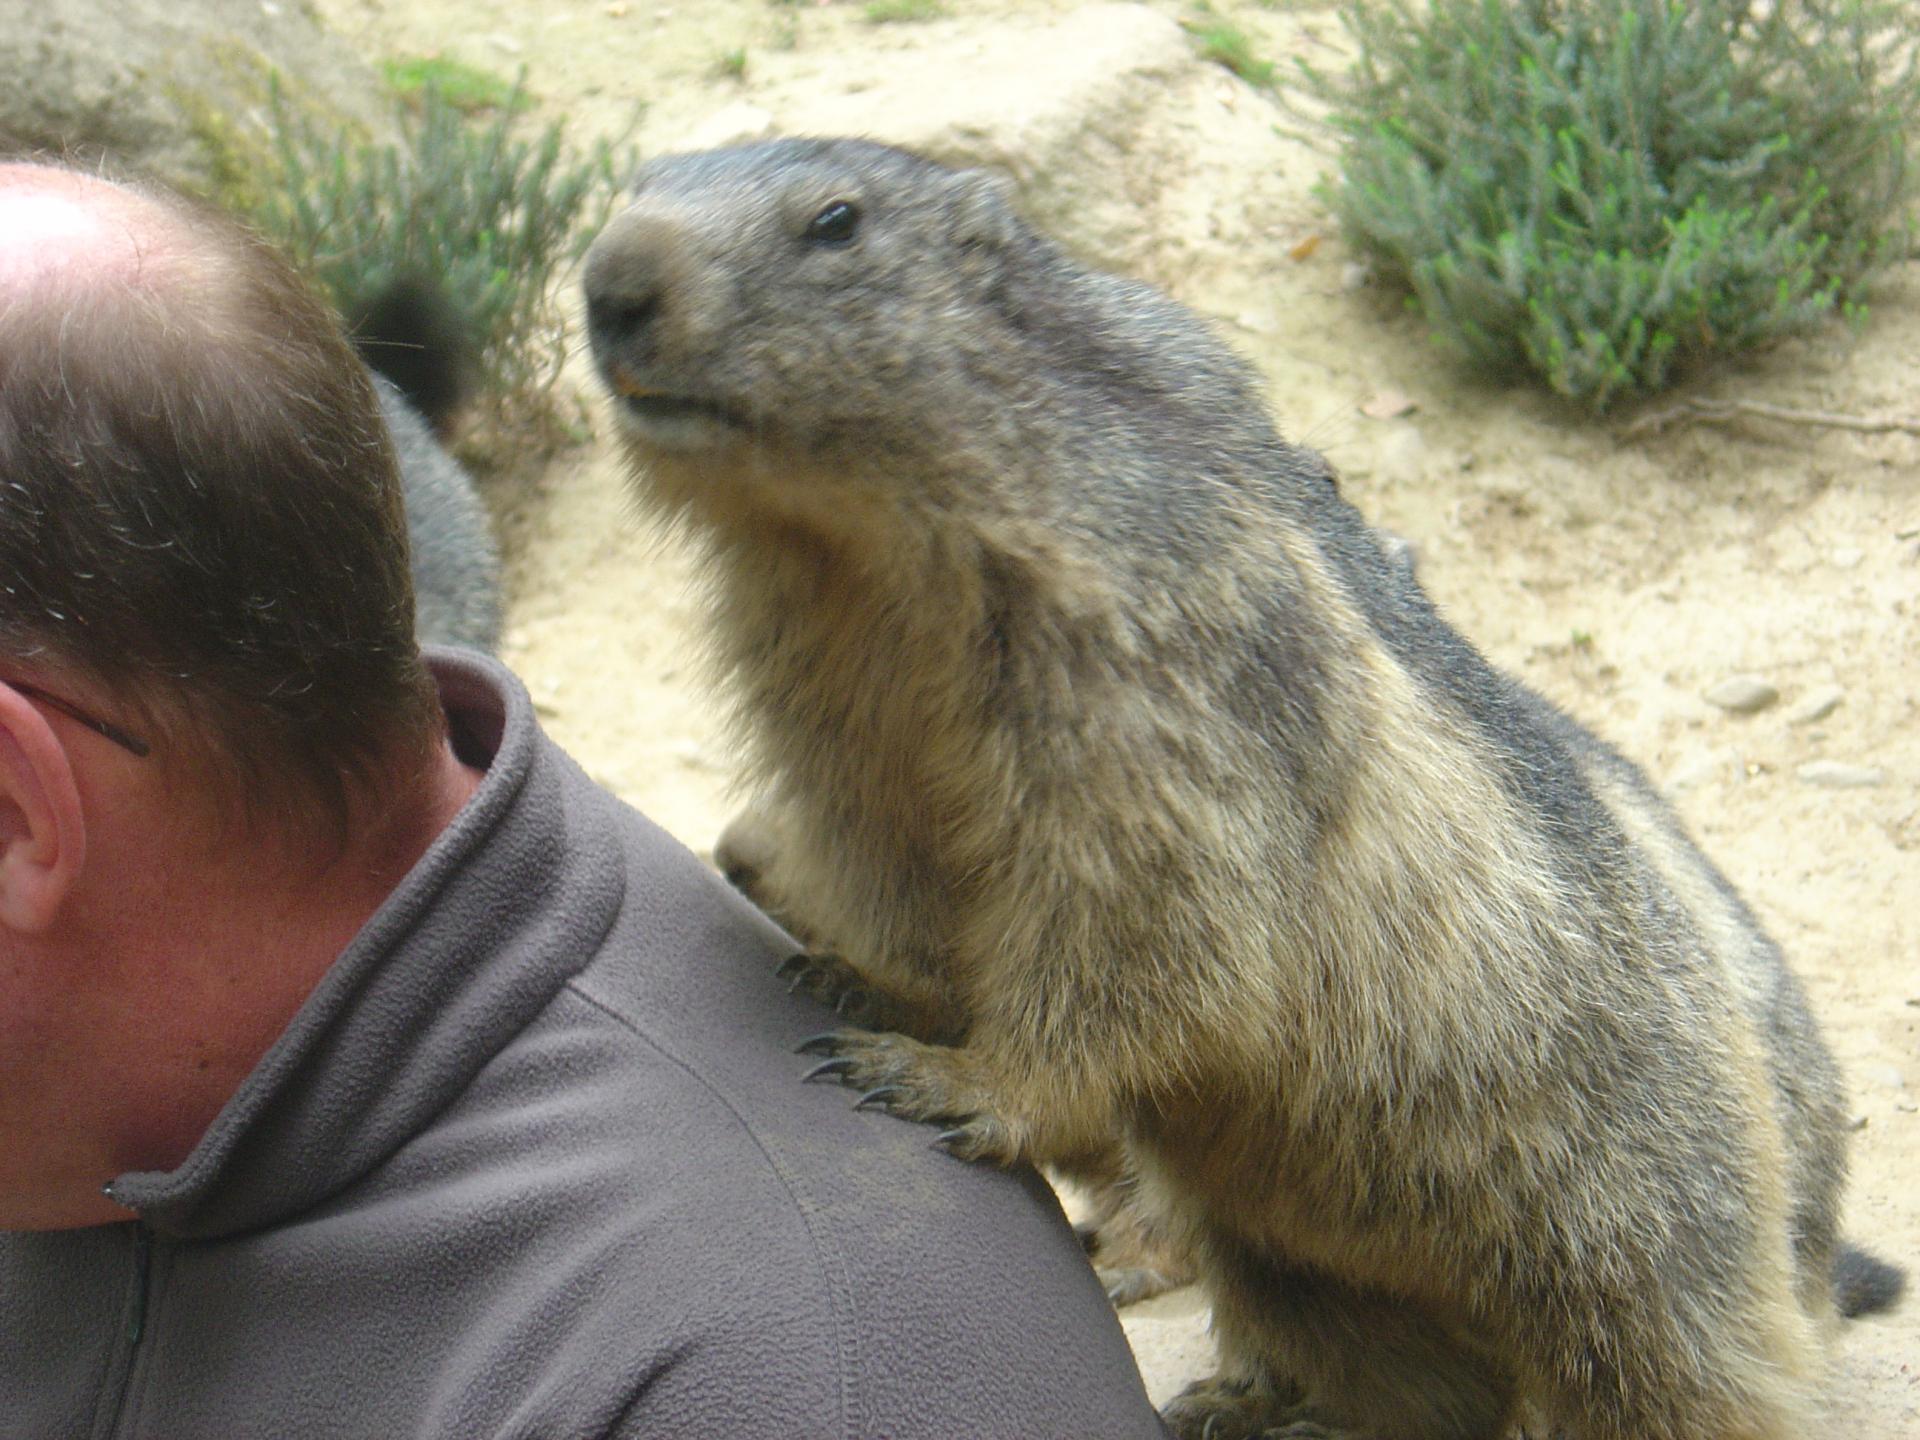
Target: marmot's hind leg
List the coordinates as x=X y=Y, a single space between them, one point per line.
x=1307 y=1357
x=1132 y=1255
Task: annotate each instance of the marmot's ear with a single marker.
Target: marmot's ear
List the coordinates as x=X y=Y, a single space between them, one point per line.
x=983 y=218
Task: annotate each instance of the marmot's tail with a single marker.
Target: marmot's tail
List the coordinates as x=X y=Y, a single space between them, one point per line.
x=1863 y=1284
x=412 y=333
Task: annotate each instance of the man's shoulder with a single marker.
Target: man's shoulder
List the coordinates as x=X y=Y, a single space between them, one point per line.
x=642 y=1165
x=913 y=1284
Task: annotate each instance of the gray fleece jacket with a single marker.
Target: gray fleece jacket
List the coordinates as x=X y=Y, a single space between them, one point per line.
x=535 y=1160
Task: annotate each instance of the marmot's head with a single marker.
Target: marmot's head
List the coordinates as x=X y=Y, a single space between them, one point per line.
x=837 y=337
x=795 y=293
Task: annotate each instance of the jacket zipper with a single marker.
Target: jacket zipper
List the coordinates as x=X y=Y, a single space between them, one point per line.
x=142 y=1264
x=120 y=1379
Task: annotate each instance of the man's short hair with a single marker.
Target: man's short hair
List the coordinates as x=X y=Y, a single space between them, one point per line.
x=200 y=509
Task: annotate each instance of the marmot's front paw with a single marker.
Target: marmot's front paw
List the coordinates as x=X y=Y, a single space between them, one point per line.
x=1223 y=1409
x=934 y=1084
x=1130 y=1284
x=837 y=985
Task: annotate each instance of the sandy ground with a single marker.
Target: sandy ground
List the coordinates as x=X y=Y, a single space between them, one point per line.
x=1625 y=577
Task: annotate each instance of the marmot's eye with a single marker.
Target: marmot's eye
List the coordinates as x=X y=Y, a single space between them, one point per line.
x=834 y=225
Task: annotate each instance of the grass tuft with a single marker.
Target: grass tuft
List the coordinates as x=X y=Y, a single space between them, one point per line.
x=467 y=88
x=1219 y=41
x=902 y=12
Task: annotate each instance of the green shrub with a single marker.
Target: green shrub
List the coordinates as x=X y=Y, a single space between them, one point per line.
x=1221 y=42
x=902 y=12
x=467 y=88
x=1607 y=191
x=487 y=213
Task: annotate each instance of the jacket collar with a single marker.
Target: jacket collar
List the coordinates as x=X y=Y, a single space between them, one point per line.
x=508 y=903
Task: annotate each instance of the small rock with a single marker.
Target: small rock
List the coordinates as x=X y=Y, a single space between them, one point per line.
x=1387 y=405
x=1718 y=766
x=1838 y=775
x=1908 y=1107
x=729 y=125
x=1816 y=704
x=1742 y=694
x=1847 y=557
x=1890 y=1076
x=695 y=756
x=1857 y=1122
x=1403 y=455
x=1355 y=274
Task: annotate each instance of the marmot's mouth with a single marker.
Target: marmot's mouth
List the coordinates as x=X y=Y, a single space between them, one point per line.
x=675 y=420
x=658 y=405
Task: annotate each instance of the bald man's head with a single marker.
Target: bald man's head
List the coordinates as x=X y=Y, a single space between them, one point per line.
x=41 y=230
x=65 y=235
x=201 y=506
x=60 y=225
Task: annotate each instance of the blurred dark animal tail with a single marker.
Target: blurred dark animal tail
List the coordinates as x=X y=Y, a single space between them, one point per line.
x=412 y=332
x=1862 y=1284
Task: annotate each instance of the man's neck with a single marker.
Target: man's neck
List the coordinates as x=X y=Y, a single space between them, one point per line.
x=207 y=975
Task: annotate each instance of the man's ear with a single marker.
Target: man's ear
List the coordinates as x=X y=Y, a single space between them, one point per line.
x=43 y=833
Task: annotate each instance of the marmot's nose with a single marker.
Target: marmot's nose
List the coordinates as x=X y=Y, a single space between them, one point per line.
x=625 y=279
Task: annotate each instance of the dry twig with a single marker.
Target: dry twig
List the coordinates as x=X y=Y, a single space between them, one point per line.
x=1690 y=410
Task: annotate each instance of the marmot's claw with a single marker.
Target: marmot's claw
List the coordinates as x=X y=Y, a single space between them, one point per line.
x=1222 y=1409
x=977 y=1138
x=793 y=968
x=876 y=1099
x=912 y=1081
x=832 y=981
x=825 y=1043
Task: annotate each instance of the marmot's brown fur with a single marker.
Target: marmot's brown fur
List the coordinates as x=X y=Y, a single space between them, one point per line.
x=1157 y=803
